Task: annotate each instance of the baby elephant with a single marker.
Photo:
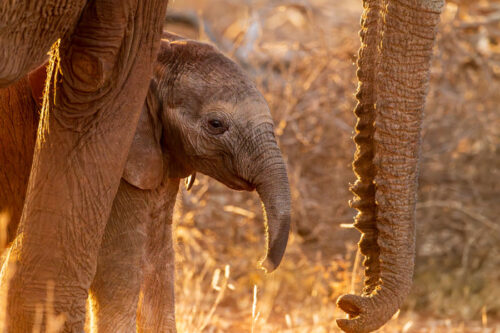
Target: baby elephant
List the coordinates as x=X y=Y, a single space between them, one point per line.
x=202 y=114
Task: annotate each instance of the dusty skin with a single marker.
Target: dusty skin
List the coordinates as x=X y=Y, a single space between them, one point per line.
x=225 y=131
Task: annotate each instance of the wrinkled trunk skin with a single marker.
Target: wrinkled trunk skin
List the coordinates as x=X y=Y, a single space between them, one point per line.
x=394 y=65
x=27 y=30
x=364 y=188
x=270 y=177
x=106 y=65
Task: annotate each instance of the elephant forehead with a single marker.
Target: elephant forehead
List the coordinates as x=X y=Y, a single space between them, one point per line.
x=247 y=108
x=214 y=88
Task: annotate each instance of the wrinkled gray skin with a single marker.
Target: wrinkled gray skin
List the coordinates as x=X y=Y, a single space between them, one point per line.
x=397 y=38
x=202 y=114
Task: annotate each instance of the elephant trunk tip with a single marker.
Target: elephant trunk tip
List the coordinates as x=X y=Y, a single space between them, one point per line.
x=278 y=229
x=274 y=255
x=365 y=313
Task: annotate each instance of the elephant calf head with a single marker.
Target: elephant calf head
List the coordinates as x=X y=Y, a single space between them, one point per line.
x=203 y=114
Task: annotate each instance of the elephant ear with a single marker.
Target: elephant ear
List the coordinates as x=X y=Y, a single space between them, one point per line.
x=36 y=79
x=144 y=166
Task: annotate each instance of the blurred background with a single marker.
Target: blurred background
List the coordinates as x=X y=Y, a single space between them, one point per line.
x=302 y=56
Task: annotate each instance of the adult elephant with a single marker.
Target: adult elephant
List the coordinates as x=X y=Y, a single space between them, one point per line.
x=107 y=51
x=397 y=39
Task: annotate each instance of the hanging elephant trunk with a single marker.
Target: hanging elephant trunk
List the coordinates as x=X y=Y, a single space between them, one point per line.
x=267 y=172
x=275 y=196
x=393 y=70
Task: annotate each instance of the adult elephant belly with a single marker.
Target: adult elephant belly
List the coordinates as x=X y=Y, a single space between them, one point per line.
x=78 y=160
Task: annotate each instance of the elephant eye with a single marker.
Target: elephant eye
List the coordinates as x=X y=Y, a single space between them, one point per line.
x=216 y=126
x=215 y=123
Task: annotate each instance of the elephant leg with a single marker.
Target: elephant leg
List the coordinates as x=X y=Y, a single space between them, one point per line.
x=115 y=289
x=156 y=311
x=42 y=22
x=79 y=159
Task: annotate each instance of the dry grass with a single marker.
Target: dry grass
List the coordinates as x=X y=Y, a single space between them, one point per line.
x=302 y=54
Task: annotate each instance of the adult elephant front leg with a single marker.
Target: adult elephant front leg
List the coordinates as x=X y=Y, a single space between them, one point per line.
x=78 y=162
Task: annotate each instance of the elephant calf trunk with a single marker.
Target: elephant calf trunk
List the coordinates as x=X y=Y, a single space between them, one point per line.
x=274 y=192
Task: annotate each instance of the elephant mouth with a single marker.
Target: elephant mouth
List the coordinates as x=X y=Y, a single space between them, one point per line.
x=240 y=184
